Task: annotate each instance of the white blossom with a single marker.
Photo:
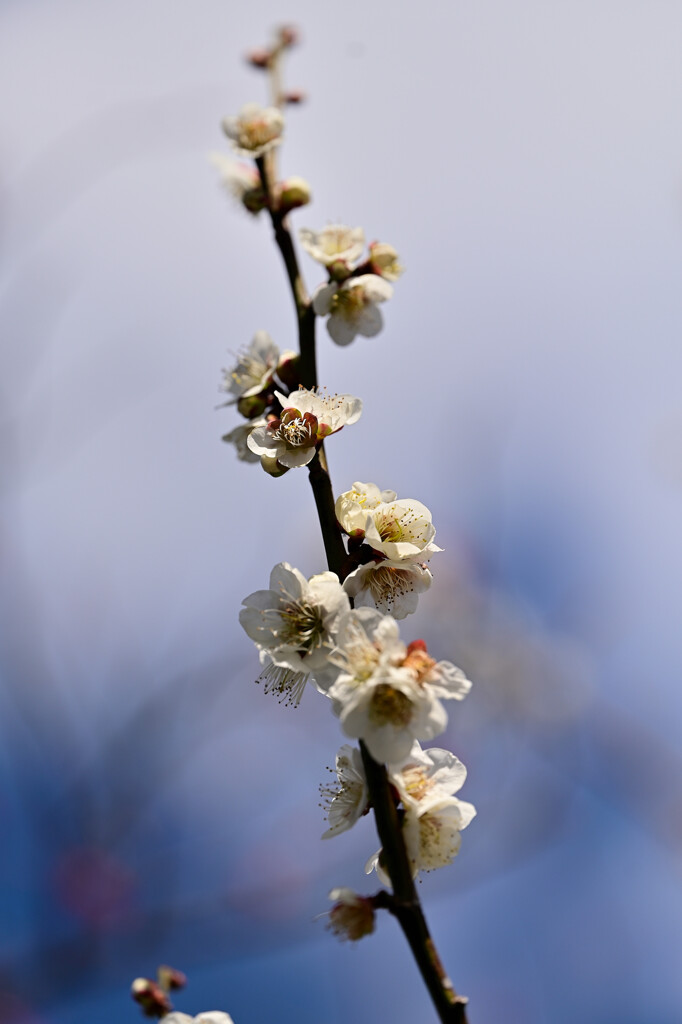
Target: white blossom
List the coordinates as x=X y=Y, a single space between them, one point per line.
x=254 y=369
x=433 y=817
x=242 y=181
x=334 y=243
x=352 y=306
x=401 y=529
x=388 y=694
x=307 y=418
x=352 y=506
x=432 y=836
x=387 y=711
x=426 y=777
x=443 y=678
x=294 y=624
x=393 y=587
x=255 y=129
x=239 y=437
x=207 y=1017
x=382 y=694
x=432 y=832
x=384 y=260
x=349 y=800
x=352 y=916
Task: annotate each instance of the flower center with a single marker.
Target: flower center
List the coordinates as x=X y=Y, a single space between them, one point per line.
x=296 y=430
x=257 y=132
x=386 y=583
x=389 y=706
x=420 y=663
x=335 y=242
x=302 y=627
x=248 y=371
x=396 y=524
x=349 y=302
x=416 y=781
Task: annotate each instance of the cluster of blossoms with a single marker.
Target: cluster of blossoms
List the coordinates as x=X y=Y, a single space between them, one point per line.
x=386 y=693
x=425 y=782
x=356 y=286
x=283 y=431
x=254 y=132
x=391 y=539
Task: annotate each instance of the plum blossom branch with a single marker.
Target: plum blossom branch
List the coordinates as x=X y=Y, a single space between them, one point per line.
x=386 y=694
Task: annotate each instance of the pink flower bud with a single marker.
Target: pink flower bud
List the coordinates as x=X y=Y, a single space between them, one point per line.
x=416 y=645
x=259 y=58
x=295 y=96
x=289 y=35
x=151 y=997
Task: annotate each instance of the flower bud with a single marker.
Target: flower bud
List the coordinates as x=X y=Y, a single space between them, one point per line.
x=254 y=199
x=294 y=96
x=259 y=58
x=383 y=260
x=292 y=193
x=338 y=270
x=416 y=645
x=151 y=997
x=252 y=406
x=352 y=916
x=288 y=369
x=288 y=35
x=272 y=466
x=170 y=979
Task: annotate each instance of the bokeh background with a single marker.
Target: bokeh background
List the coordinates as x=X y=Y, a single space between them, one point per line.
x=526 y=160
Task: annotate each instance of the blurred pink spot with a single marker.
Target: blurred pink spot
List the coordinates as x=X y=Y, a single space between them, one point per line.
x=94 y=885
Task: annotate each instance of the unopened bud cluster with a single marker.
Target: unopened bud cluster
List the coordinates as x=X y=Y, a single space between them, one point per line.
x=154 y=999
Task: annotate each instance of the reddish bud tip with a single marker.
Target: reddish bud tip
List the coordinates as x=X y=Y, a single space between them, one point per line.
x=416 y=645
x=288 y=35
x=259 y=58
x=170 y=979
x=295 y=96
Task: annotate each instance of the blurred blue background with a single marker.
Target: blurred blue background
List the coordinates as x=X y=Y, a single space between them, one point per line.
x=526 y=161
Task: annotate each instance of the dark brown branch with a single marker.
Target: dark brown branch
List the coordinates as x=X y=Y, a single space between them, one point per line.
x=324 y=500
